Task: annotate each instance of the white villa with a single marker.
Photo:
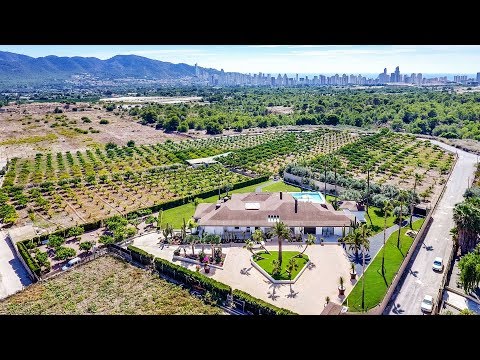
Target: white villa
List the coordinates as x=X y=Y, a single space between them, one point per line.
x=242 y=214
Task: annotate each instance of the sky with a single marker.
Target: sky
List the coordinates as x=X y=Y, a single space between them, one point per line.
x=305 y=59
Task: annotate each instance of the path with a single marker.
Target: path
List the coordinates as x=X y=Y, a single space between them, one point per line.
x=420 y=279
x=376 y=243
x=13 y=276
x=259 y=188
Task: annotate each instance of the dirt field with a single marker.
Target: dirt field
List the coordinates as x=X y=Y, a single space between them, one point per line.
x=105 y=286
x=27 y=129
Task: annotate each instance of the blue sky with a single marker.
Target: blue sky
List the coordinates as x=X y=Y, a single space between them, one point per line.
x=320 y=59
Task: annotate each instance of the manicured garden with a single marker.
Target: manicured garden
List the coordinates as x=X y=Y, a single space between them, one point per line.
x=376 y=285
x=267 y=262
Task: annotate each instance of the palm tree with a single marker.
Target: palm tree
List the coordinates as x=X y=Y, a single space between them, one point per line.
x=365 y=232
x=402 y=197
x=258 y=236
x=467 y=220
x=354 y=241
x=249 y=244
x=277 y=267
x=213 y=240
x=418 y=177
x=309 y=241
x=335 y=162
x=281 y=231
x=291 y=267
x=387 y=209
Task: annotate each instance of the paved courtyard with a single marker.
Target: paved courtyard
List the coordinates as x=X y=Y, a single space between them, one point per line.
x=13 y=276
x=306 y=296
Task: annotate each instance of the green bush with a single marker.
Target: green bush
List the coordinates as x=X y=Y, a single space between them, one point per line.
x=140 y=255
x=31 y=263
x=258 y=306
x=104 y=122
x=63 y=253
x=86 y=245
x=218 y=289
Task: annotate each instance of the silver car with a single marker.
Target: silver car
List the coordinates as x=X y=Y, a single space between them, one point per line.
x=427 y=304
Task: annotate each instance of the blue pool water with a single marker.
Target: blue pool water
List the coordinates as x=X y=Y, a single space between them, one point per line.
x=314 y=197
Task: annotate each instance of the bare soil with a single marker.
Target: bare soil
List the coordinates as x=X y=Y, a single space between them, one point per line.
x=26 y=129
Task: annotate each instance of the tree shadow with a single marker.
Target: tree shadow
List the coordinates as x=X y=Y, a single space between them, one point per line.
x=413 y=273
x=396 y=309
x=292 y=294
x=428 y=248
x=311 y=266
x=357 y=259
x=245 y=271
x=272 y=294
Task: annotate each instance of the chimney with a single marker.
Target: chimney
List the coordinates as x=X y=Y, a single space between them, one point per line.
x=280 y=195
x=296 y=206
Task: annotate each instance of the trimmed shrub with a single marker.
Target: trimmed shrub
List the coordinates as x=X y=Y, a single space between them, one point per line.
x=140 y=255
x=258 y=306
x=31 y=263
x=192 y=278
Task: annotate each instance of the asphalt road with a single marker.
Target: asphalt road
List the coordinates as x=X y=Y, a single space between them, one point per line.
x=420 y=279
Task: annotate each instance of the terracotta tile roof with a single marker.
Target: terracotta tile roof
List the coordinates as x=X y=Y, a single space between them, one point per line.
x=233 y=212
x=348 y=205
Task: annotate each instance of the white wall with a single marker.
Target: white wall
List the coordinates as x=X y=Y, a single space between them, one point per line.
x=338 y=231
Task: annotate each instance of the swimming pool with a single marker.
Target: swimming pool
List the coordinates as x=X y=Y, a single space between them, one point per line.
x=314 y=197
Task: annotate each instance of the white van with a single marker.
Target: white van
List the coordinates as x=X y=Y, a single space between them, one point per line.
x=70 y=263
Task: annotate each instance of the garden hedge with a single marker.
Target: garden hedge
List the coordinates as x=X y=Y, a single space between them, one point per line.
x=140 y=255
x=258 y=306
x=31 y=263
x=191 y=278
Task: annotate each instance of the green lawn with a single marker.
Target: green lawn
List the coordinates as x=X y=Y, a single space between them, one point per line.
x=175 y=215
x=280 y=186
x=267 y=259
x=375 y=284
x=376 y=220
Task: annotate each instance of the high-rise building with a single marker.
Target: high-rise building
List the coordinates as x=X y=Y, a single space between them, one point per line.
x=478 y=77
x=419 y=79
x=397 y=74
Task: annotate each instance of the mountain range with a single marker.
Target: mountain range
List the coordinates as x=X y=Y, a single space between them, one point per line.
x=26 y=69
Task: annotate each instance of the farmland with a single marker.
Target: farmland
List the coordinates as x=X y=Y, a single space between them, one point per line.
x=105 y=286
x=66 y=189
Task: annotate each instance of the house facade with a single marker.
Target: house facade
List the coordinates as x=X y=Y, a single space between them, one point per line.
x=242 y=214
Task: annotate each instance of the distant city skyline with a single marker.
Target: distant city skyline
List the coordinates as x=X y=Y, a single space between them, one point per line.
x=290 y=59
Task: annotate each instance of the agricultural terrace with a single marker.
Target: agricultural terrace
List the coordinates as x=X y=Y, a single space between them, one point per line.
x=105 y=286
x=287 y=147
x=393 y=159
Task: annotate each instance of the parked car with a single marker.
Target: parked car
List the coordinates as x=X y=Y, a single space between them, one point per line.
x=438 y=264
x=70 y=263
x=427 y=304
x=404 y=223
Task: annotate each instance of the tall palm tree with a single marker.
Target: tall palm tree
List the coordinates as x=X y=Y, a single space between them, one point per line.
x=418 y=177
x=192 y=240
x=365 y=232
x=282 y=232
x=387 y=209
x=335 y=163
x=354 y=241
x=402 y=197
x=467 y=220
x=309 y=241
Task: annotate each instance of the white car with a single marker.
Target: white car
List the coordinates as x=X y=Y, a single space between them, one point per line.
x=70 y=264
x=427 y=304
x=438 y=264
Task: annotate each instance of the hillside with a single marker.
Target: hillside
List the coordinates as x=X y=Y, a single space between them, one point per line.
x=26 y=69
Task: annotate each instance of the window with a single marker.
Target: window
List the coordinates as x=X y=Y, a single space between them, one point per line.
x=237 y=228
